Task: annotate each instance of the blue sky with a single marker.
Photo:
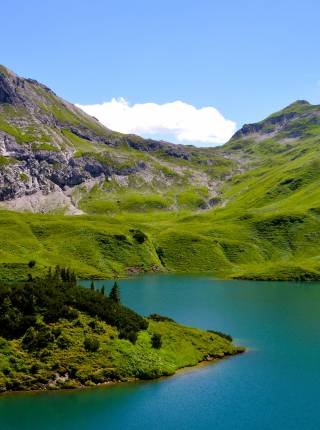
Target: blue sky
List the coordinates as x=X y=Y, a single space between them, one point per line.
x=245 y=58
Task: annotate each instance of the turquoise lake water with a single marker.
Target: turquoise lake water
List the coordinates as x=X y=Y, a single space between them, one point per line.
x=275 y=385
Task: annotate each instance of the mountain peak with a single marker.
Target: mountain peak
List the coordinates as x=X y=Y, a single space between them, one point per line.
x=5 y=71
x=295 y=106
x=8 y=86
x=283 y=122
x=50 y=146
x=300 y=102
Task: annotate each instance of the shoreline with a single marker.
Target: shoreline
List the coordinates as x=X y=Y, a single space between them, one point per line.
x=211 y=275
x=207 y=361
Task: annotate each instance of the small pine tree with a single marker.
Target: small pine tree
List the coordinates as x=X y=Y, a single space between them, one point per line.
x=92 y=286
x=50 y=273
x=57 y=273
x=103 y=291
x=63 y=274
x=73 y=278
x=68 y=275
x=114 y=295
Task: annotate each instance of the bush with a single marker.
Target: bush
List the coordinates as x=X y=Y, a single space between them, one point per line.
x=156 y=341
x=34 y=369
x=37 y=337
x=63 y=342
x=3 y=343
x=157 y=317
x=219 y=333
x=132 y=336
x=32 y=263
x=160 y=254
x=138 y=235
x=91 y=344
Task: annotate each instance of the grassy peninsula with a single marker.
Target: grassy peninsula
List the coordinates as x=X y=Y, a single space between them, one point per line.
x=55 y=334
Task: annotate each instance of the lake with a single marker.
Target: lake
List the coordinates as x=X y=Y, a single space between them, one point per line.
x=275 y=385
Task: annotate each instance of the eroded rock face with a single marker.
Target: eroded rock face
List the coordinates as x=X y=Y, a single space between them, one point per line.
x=8 y=89
x=268 y=126
x=35 y=156
x=49 y=147
x=25 y=171
x=294 y=121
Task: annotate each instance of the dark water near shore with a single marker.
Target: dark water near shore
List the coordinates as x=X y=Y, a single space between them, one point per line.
x=275 y=385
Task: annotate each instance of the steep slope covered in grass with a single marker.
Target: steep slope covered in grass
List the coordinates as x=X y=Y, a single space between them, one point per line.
x=244 y=244
x=247 y=209
x=278 y=198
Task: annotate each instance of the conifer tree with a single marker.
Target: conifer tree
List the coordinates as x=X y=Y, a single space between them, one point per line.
x=57 y=273
x=103 y=291
x=68 y=275
x=114 y=295
x=92 y=286
x=63 y=274
x=73 y=278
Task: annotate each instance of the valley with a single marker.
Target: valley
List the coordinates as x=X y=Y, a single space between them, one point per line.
x=74 y=190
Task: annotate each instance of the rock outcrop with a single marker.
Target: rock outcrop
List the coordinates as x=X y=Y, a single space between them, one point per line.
x=48 y=145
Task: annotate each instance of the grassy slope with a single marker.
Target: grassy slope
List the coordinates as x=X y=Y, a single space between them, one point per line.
x=117 y=359
x=268 y=229
x=266 y=225
x=229 y=242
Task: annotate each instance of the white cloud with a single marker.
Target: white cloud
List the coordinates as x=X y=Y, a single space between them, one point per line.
x=177 y=121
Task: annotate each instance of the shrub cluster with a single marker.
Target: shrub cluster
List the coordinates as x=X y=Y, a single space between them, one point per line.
x=157 y=317
x=139 y=236
x=91 y=344
x=156 y=341
x=219 y=333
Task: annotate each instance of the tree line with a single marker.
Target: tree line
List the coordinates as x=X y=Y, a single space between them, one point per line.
x=55 y=296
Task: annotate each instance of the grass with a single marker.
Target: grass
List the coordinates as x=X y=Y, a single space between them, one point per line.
x=190 y=200
x=284 y=244
x=265 y=224
x=267 y=229
x=7 y=161
x=45 y=147
x=137 y=197
x=116 y=359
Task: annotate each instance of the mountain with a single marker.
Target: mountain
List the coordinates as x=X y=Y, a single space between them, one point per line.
x=247 y=209
x=54 y=157
x=299 y=119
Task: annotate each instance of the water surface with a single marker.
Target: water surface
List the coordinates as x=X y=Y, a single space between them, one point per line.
x=275 y=385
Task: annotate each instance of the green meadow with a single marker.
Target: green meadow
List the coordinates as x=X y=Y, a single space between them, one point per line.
x=247 y=209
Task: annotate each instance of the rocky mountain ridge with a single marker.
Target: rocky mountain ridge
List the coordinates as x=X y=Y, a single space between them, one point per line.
x=48 y=146
x=55 y=157
x=263 y=186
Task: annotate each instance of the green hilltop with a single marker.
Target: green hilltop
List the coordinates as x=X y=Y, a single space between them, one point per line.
x=247 y=209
